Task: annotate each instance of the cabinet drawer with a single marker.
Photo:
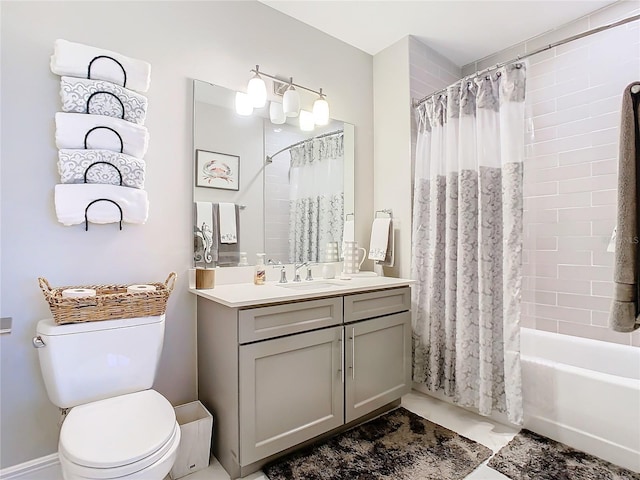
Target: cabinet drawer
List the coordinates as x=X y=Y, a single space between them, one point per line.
x=376 y=304
x=274 y=321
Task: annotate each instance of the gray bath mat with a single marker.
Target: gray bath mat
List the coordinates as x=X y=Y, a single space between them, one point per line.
x=530 y=456
x=398 y=445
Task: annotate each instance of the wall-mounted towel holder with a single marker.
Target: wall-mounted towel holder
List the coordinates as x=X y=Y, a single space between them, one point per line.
x=353 y=215
x=106 y=93
x=382 y=213
x=124 y=72
x=86 y=136
x=105 y=163
x=86 y=220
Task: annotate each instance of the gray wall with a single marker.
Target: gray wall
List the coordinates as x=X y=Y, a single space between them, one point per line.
x=214 y=41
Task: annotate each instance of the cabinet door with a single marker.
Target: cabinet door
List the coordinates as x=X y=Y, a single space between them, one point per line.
x=378 y=355
x=291 y=389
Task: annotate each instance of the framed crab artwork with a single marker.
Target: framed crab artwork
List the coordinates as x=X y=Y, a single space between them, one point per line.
x=217 y=170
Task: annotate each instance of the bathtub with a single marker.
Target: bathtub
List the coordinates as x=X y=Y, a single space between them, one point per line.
x=584 y=393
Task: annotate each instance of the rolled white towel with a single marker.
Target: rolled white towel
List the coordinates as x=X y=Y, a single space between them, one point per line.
x=77 y=95
x=73 y=165
x=73 y=59
x=72 y=200
x=77 y=130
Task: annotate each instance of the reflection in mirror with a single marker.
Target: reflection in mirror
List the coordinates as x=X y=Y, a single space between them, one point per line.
x=289 y=190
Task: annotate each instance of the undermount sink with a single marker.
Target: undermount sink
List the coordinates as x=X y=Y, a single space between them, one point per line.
x=307 y=285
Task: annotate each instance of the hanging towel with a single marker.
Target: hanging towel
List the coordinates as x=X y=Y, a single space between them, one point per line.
x=624 y=308
x=77 y=130
x=205 y=242
x=348 y=234
x=379 y=243
x=73 y=60
x=73 y=165
x=77 y=95
x=228 y=231
x=72 y=200
x=228 y=253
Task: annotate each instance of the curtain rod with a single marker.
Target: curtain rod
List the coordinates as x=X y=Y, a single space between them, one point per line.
x=329 y=134
x=633 y=18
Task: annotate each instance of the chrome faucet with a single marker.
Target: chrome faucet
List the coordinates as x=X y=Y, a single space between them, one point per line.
x=283 y=275
x=296 y=269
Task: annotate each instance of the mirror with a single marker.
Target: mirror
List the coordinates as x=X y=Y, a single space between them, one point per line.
x=292 y=189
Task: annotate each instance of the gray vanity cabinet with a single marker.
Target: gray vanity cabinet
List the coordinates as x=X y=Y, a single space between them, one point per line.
x=276 y=376
x=378 y=356
x=290 y=391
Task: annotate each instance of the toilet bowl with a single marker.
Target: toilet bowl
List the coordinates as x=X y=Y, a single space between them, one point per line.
x=117 y=426
x=132 y=436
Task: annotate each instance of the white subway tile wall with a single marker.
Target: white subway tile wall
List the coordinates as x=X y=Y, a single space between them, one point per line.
x=574 y=94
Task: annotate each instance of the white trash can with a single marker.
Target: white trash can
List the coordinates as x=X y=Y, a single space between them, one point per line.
x=196 y=425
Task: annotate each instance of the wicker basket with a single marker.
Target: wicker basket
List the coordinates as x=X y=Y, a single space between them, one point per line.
x=110 y=302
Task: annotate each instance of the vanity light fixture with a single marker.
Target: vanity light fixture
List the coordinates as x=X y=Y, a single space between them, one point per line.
x=290 y=106
x=276 y=113
x=257 y=90
x=291 y=101
x=321 y=110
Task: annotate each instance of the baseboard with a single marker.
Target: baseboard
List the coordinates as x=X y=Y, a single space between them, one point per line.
x=26 y=468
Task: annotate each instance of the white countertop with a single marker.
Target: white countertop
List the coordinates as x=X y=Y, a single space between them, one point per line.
x=248 y=294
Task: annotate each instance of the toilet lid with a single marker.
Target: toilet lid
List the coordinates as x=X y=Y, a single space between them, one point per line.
x=117 y=431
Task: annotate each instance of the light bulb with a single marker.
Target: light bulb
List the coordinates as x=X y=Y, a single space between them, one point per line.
x=244 y=106
x=276 y=113
x=306 y=121
x=257 y=91
x=321 y=110
x=291 y=102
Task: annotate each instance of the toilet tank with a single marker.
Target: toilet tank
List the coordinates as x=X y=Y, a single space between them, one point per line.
x=85 y=362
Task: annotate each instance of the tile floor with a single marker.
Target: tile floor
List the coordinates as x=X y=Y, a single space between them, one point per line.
x=485 y=431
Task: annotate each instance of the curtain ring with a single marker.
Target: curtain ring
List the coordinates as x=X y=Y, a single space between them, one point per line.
x=518 y=66
x=498 y=74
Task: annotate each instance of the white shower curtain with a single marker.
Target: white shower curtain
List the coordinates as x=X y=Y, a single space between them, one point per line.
x=467 y=242
x=316 y=197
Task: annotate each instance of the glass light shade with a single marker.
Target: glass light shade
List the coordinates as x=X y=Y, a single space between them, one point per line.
x=244 y=106
x=321 y=111
x=306 y=121
x=257 y=91
x=276 y=113
x=291 y=102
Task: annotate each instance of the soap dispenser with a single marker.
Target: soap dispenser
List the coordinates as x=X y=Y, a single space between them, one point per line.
x=261 y=270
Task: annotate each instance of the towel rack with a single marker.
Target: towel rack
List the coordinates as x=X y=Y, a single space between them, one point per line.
x=346 y=217
x=386 y=211
x=86 y=220
x=106 y=93
x=86 y=136
x=106 y=163
x=124 y=72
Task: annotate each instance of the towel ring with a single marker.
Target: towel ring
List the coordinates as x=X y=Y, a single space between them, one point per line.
x=106 y=163
x=386 y=211
x=86 y=136
x=86 y=220
x=124 y=72
x=107 y=93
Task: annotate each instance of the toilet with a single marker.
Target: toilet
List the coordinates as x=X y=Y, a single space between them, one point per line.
x=116 y=426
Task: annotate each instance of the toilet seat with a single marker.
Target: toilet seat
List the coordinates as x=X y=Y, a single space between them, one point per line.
x=118 y=436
